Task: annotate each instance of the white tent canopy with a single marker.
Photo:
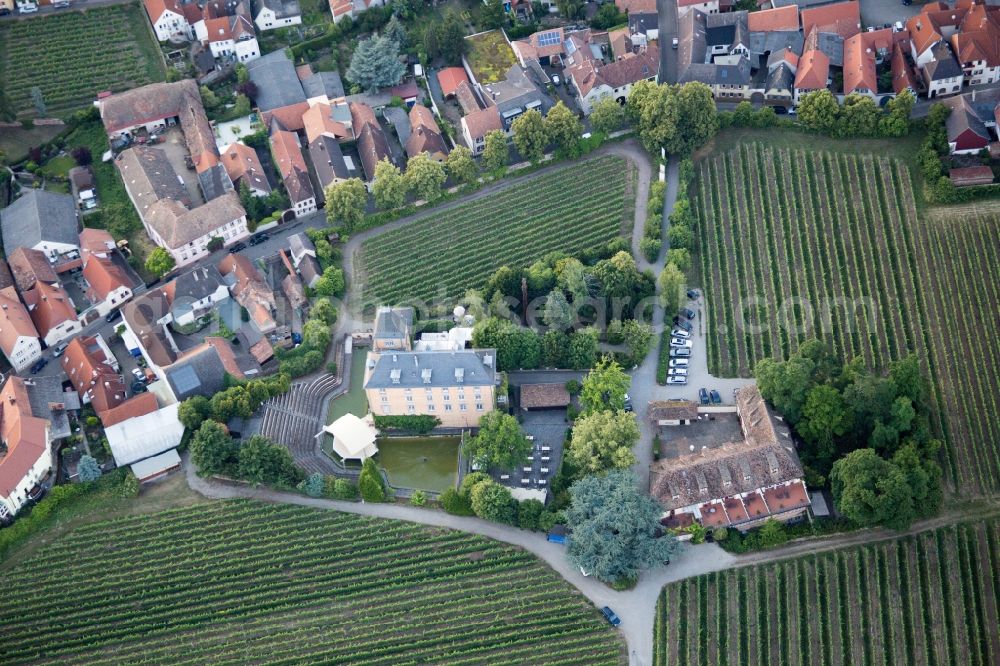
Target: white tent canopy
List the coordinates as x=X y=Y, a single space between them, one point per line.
x=353 y=437
x=145 y=436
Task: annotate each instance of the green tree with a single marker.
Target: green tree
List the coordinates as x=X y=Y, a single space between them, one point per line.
x=607 y=16
x=872 y=491
x=824 y=418
x=500 y=442
x=638 y=338
x=331 y=283
x=530 y=137
x=324 y=311
x=418 y=498
x=528 y=514
x=604 y=387
x=313 y=485
x=375 y=63
x=897 y=122
x=554 y=344
x=495 y=151
x=389 y=190
x=370 y=482
x=615 y=527
x=617 y=275
x=679 y=257
x=785 y=384
x=451 y=38
x=603 y=440
x=491 y=501
x=461 y=167
x=680 y=236
x=606 y=114
x=213 y=451
x=671 y=283
x=425 y=177
x=208 y=98
x=395 y=31
x=819 y=111
x=456 y=503
x=860 y=116
x=570 y=9
x=582 y=350
x=696 y=118
x=87 y=469
x=345 y=202
x=558 y=312
x=193 y=411
x=562 y=127
x=263 y=461
x=159 y=262
x=491 y=16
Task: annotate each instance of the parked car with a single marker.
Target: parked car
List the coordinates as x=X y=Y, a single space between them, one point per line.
x=682 y=333
x=113 y=315
x=687 y=312
x=138 y=387
x=680 y=343
x=693 y=294
x=59 y=349
x=555 y=80
x=907 y=3
x=684 y=326
x=673 y=380
x=257 y=239
x=677 y=372
x=703 y=396
x=4 y=11
x=716 y=398
x=609 y=614
x=558 y=534
x=39 y=364
x=679 y=362
x=138 y=374
x=674 y=43
x=237 y=247
x=680 y=352
x=628 y=403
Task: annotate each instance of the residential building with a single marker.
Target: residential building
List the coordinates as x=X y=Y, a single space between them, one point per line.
x=841 y=18
x=227 y=30
x=393 y=329
x=303 y=259
x=774 y=20
x=545 y=47
x=739 y=483
x=94 y=372
x=243 y=167
x=373 y=146
x=943 y=74
x=329 y=162
x=168 y=20
x=425 y=135
x=340 y=9
x=904 y=76
x=977 y=45
x=329 y=118
x=519 y=92
x=863 y=53
x=109 y=282
x=449 y=79
x=196 y=293
x=645 y=24
x=18 y=335
x=813 y=72
x=273 y=14
x=320 y=86
x=291 y=165
x=278 y=85
x=930 y=27
x=43 y=221
x=49 y=306
x=457 y=387
x=703 y=6
x=250 y=290
x=476 y=125
x=779 y=86
x=594 y=81
x=146 y=318
x=714 y=49
x=27 y=458
x=972 y=123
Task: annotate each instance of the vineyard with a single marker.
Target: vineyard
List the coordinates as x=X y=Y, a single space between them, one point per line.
x=72 y=56
x=448 y=252
x=798 y=244
x=927 y=600
x=242 y=582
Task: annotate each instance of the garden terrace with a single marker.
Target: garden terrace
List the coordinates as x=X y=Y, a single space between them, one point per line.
x=446 y=252
x=798 y=244
x=242 y=582
x=926 y=599
x=73 y=55
x=489 y=56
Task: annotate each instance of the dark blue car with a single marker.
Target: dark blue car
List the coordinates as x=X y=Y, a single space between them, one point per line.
x=716 y=398
x=610 y=616
x=703 y=396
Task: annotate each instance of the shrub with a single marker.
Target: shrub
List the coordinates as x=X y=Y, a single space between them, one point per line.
x=370 y=483
x=341 y=489
x=130 y=485
x=313 y=485
x=720 y=534
x=455 y=503
x=573 y=387
x=418 y=498
x=549 y=519
x=420 y=424
x=529 y=513
x=650 y=248
x=87 y=469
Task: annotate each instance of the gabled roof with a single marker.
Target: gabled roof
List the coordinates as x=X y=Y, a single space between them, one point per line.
x=277 y=83
x=860 y=52
x=903 y=75
x=449 y=78
x=281 y=8
x=249 y=289
x=928 y=27
x=96 y=241
x=669 y=410
x=331 y=119
x=178 y=226
x=141 y=314
x=292 y=166
x=543 y=396
x=38 y=216
x=842 y=18
x=813 y=72
x=328 y=161
x=243 y=164
x=136 y=406
x=49 y=305
x=446 y=368
x=26 y=435
x=15 y=322
x=149 y=177
x=104 y=276
x=93 y=376
x=772 y=20
x=30 y=266
x=6 y=278
x=632 y=6
x=943 y=65
x=425 y=135
x=541 y=44
x=964 y=117
x=199 y=372
x=981 y=45
x=392 y=323
x=156 y=8
x=323 y=84
x=482 y=122
x=373 y=147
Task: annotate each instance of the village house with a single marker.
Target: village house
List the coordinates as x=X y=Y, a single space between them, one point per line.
x=95 y=374
x=109 y=282
x=250 y=290
x=26 y=458
x=243 y=167
x=49 y=306
x=373 y=146
x=18 y=336
x=738 y=483
x=43 y=221
x=594 y=81
x=393 y=329
x=287 y=153
x=340 y=9
x=425 y=135
x=273 y=14
x=476 y=125
x=227 y=30
x=169 y=19
x=972 y=124
x=303 y=256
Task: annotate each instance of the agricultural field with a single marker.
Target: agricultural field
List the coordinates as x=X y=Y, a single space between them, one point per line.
x=243 y=582
x=72 y=56
x=930 y=599
x=450 y=251
x=798 y=244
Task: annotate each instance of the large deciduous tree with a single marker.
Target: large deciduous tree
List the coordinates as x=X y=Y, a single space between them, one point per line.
x=530 y=136
x=389 y=190
x=607 y=115
x=499 y=442
x=160 y=262
x=213 y=451
x=461 y=167
x=375 y=63
x=563 y=127
x=425 y=177
x=345 y=202
x=819 y=111
x=603 y=440
x=495 y=151
x=492 y=501
x=604 y=387
x=263 y=461
x=615 y=528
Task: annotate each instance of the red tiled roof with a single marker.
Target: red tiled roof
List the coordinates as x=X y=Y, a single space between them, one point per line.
x=482 y=122
x=25 y=435
x=843 y=18
x=15 y=322
x=771 y=20
x=289 y=116
x=155 y=8
x=636 y=6
x=104 y=277
x=49 y=306
x=860 y=52
x=137 y=405
x=813 y=72
x=96 y=241
x=449 y=78
x=29 y=266
x=93 y=377
x=291 y=165
x=903 y=76
x=241 y=162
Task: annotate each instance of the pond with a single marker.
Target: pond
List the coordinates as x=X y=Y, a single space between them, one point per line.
x=425 y=463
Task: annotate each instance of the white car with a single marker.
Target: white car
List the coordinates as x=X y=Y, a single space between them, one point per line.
x=679 y=343
x=673 y=380
x=138 y=374
x=679 y=363
x=680 y=333
x=678 y=372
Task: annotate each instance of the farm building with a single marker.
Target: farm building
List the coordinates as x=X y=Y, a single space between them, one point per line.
x=354 y=437
x=544 y=396
x=672 y=412
x=740 y=482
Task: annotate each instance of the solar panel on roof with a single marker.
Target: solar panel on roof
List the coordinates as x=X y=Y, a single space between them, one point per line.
x=185 y=379
x=548 y=39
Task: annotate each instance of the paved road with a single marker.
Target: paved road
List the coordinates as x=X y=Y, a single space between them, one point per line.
x=46 y=10
x=667 y=9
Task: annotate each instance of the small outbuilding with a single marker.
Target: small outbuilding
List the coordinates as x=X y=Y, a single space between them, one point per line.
x=672 y=412
x=544 y=396
x=353 y=437
x=974 y=175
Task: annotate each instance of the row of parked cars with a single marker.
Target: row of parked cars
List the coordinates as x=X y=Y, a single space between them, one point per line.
x=681 y=344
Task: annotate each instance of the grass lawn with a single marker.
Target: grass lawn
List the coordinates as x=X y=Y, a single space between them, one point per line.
x=15 y=141
x=447 y=252
x=926 y=599
x=58 y=166
x=73 y=55
x=490 y=56
x=243 y=582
